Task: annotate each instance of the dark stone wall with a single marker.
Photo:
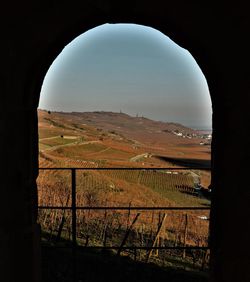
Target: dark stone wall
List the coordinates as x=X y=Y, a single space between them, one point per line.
x=33 y=33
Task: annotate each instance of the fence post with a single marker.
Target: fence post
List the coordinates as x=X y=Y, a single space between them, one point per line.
x=156 y=237
x=128 y=218
x=73 y=208
x=63 y=219
x=127 y=234
x=185 y=236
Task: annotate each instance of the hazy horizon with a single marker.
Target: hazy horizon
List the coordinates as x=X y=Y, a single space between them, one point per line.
x=130 y=68
x=142 y=116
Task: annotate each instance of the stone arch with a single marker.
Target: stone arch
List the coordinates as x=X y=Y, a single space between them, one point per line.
x=41 y=30
x=67 y=37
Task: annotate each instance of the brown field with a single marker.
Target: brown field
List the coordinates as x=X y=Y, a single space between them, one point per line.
x=117 y=137
x=92 y=140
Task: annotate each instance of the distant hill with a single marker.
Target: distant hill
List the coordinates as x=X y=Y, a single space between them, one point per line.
x=124 y=122
x=116 y=139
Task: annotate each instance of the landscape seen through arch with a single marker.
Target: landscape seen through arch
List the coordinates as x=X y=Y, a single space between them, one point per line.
x=168 y=156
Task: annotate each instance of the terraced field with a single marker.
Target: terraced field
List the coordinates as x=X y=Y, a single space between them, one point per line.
x=68 y=141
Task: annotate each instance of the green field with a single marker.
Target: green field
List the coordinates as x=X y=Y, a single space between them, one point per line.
x=57 y=141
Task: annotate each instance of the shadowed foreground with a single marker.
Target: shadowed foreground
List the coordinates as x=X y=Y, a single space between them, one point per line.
x=96 y=266
x=185 y=162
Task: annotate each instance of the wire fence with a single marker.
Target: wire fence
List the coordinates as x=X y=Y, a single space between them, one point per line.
x=81 y=221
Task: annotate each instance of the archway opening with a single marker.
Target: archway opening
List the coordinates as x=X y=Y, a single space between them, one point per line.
x=127 y=97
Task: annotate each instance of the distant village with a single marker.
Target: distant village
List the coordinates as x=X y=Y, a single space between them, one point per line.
x=206 y=136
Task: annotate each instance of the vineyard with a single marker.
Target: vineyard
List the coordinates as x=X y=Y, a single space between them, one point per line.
x=159 y=181
x=127 y=188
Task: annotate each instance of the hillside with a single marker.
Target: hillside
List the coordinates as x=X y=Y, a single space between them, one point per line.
x=116 y=139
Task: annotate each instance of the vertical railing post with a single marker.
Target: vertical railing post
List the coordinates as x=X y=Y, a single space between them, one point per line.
x=73 y=205
x=73 y=209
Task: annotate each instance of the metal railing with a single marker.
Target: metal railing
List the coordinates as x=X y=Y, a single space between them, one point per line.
x=73 y=207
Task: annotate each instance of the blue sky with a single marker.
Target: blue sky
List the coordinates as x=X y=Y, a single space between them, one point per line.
x=132 y=68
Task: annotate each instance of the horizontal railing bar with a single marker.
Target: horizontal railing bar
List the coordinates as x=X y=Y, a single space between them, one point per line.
x=132 y=248
x=146 y=248
x=124 y=168
x=124 y=208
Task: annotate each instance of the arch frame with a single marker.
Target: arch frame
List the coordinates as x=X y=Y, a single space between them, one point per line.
x=41 y=31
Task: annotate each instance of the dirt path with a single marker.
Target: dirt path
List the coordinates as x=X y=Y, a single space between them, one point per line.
x=138 y=157
x=70 y=144
x=102 y=151
x=49 y=138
